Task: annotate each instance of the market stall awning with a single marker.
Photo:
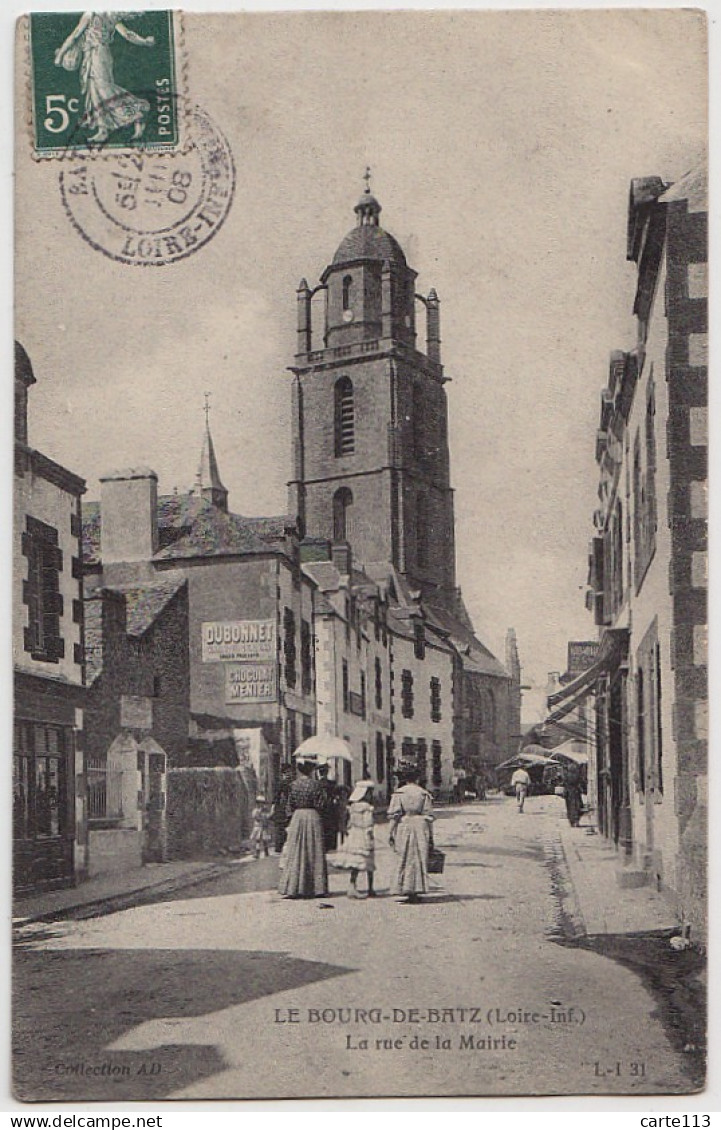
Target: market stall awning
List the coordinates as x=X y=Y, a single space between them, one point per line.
x=523 y=760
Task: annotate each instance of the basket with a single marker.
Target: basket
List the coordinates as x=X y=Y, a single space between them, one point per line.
x=436 y=861
x=71 y=59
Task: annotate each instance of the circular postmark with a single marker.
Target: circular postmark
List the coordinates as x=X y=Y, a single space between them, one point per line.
x=147 y=208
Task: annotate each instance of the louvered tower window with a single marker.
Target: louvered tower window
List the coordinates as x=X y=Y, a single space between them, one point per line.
x=344 y=417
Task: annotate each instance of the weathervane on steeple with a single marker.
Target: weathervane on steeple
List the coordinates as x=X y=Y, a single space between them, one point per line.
x=367 y=179
x=207 y=409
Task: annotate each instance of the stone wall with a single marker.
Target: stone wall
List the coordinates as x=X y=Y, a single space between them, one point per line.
x=208 y=812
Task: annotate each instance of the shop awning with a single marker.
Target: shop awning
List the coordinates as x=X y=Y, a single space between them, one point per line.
x=613 y=649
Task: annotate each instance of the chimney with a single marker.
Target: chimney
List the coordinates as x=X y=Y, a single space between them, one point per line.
x=341 y=557
x=129 y=516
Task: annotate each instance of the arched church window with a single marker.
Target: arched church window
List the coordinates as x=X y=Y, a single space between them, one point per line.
x=342 y=503
x=347 y=285
x=344 y=417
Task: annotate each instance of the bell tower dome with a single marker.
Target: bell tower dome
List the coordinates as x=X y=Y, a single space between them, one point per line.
x=369 y=284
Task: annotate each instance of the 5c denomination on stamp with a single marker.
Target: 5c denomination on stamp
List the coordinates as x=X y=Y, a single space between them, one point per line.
x=104 y=79
x=147 y=209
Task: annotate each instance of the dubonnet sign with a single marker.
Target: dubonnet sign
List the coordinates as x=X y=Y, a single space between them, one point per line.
x=235 y=641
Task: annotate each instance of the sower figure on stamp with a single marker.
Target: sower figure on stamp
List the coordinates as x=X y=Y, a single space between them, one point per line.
x=108 y=107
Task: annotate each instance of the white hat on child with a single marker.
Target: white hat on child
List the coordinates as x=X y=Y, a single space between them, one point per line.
x=359 y=791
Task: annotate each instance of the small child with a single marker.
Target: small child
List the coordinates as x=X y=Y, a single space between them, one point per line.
x=358 y=851
x=260 y=835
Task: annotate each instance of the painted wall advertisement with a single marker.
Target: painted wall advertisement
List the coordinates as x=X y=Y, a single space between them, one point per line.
x=247 y=648
x=238 y=641
x=250 y=682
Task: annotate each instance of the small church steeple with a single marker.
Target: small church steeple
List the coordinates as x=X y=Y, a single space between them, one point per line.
x=210 y=486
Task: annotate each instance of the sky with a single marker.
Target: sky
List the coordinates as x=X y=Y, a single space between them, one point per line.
x=502 y=146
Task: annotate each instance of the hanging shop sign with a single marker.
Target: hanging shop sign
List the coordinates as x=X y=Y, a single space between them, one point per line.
x=247 y=683
x=229 y=641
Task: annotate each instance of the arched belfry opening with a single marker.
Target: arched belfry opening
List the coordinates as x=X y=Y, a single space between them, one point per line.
x=342 y=508
x=344 y=417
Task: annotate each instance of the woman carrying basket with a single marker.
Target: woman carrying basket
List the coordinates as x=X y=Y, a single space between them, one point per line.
x=410 y=815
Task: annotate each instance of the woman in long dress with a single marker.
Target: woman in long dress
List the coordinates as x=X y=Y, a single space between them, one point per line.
x=108 y=107
x=410 y=814
x=305 y=871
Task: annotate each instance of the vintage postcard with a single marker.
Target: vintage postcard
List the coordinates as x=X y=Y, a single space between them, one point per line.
x=359 y=554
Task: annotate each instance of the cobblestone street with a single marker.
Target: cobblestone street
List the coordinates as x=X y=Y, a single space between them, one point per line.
x=465 y=993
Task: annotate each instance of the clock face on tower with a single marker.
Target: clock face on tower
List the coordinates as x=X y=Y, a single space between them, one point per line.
x=347 y=315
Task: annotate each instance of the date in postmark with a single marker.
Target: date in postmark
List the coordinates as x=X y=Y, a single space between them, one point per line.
x=151 y=209
x=104 y=80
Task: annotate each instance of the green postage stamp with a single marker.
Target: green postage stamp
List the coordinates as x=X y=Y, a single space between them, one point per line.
x=103 y=79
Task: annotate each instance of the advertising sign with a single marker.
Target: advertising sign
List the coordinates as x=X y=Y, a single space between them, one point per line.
x=581 y=655
x=250 y=682
x=228 y=641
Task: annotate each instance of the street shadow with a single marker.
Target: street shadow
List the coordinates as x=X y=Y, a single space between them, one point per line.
x=69 y=1007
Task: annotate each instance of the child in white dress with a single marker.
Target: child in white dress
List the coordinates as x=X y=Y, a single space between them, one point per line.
x=358 y=851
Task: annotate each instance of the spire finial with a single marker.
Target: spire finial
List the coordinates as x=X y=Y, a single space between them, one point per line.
x=367 y=179
x=206 y=409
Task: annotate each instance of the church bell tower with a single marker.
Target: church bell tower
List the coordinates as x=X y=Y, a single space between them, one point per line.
x=370 y=417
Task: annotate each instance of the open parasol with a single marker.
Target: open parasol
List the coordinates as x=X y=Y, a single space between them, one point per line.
x=323 y=748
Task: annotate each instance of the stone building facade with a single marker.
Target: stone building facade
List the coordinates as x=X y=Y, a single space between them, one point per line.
x=248 y=651
x=49 y=808
x=648 y=562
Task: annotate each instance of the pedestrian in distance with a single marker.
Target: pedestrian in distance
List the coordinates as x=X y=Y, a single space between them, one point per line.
x=261 y=834
x=304 y=869
x=521 y=781
x=573 y=794
x=410 y=813
x=358 y=851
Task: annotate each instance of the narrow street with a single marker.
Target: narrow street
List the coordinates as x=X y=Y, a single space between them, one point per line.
x=224 y=990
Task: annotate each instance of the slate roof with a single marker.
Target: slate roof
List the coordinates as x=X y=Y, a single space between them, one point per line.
x=369 y=242
x=475 y=656
x=177 y=515
x=214 y=534
x=145 y=602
